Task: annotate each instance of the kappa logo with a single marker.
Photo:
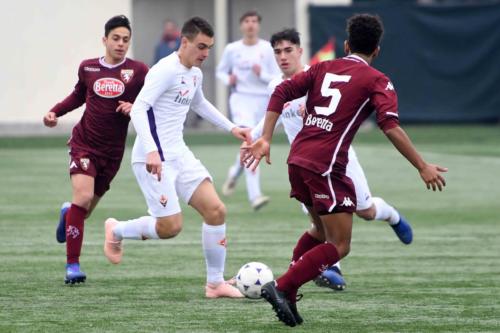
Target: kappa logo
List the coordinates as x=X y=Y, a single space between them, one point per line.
x=109 y=87
x=91 y=69
x=223 y=242
x=321 y=196
x=347 y=202
x=389 y=86
x=72 y=232
x=126 y=75
x=163 y=200
x=84 y=163
x=73 y=165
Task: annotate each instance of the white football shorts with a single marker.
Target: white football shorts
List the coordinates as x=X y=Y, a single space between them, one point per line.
x=355 y=172
x=180 y=178
x=247 y=110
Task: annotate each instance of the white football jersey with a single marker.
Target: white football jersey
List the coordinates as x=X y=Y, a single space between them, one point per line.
x=238 y=59
x=170 y=90
x=290 y=117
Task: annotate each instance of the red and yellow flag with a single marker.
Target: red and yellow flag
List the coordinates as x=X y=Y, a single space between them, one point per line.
x=327 y=52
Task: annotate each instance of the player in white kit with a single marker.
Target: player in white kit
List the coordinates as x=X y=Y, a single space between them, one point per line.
x=247 y=66
x=287 y=50
x=164 y=166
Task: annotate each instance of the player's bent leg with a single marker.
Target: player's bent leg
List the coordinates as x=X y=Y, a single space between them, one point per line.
x=367 y=214
x=233 y=174
x=83 y=192
x=399 y=224
x=332 y=277
x=206 y=201
x=142 y=228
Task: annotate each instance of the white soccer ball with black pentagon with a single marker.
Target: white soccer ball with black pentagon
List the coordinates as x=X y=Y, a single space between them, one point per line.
x=251 y=277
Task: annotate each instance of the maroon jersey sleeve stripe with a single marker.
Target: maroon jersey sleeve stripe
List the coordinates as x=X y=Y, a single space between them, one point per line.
x=152 y=126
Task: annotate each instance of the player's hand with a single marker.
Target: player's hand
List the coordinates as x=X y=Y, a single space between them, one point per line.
x=244 y=151
x=257 y=69
x=431 y=175
x=242 y=133
x=251 y=157
x=232 y=79
x=124 y=107
x=153 y=164
x=50 y=119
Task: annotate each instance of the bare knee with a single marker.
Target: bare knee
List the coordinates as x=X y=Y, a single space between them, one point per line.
x=83 y=198
x=367 y=214
x=216 y=215
x=168 y=227
x=343 y=247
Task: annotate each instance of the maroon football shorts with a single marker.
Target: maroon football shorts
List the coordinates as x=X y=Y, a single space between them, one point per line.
x=103 y=170
x=326 y=194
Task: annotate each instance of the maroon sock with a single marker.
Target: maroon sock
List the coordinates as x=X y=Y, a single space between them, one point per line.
x=312 y=263
x=74 y=233
x=304 y=244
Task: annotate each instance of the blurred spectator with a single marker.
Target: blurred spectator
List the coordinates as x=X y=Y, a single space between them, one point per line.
x=170 y=40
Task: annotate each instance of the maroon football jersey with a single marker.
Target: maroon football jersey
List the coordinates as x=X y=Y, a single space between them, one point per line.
x=341 y=94
x=101 y=129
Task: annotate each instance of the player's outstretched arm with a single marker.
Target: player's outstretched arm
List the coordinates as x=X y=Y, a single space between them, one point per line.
x=262 y=147
x=430 y=173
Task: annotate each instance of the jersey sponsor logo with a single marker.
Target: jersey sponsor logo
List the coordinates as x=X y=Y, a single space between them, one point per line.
x=322 y=123
x=389 y=86
x=126 y=75
x=321 y=196
x=183 y=98
x=163 y=200
x=109 y=87
x=84 y=163
x=91 y=69
x=347 y=202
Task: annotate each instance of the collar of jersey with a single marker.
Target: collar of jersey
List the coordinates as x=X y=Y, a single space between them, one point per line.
x=105 y=64
x=353 y=56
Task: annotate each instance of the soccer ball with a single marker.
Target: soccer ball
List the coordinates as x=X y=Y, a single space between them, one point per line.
x=251 y=277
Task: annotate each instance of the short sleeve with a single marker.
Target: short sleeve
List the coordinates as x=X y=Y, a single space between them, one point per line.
x=385 y=102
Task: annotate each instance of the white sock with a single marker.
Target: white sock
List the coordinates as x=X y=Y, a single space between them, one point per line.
x=141 y=228
x=253 y=184
x=385 y=212
x=236 y=169
x=214 y=247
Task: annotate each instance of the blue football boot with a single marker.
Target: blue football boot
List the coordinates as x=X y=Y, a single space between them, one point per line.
x=403 y=230
x=331 y=278
x=74 y=274
x=61 y=227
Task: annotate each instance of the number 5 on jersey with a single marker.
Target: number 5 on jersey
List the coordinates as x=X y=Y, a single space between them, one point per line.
x=334 y=93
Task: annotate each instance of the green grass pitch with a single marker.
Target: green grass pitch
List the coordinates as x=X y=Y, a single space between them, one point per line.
x=448 y=280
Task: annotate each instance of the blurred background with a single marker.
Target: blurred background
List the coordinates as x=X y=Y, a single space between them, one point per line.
x=440 y=54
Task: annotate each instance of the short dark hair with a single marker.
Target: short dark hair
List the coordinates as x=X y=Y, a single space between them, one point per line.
x=364 y=32
x=116 y=22
x=194 y=26
x=250 y=13
x=291 y=35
